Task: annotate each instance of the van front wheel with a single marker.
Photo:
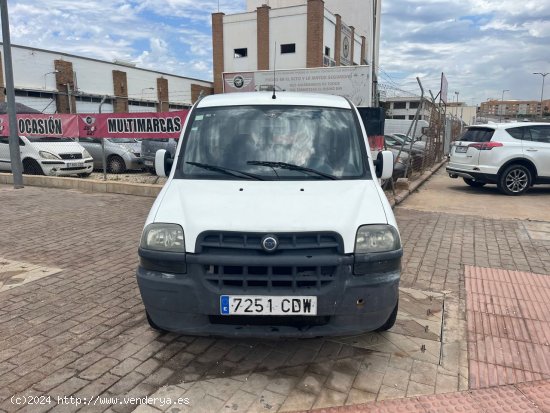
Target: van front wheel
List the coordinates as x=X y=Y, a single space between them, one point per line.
x=391 y=320
x=153 y=325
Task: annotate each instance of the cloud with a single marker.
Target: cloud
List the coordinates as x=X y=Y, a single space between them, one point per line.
x=482 y=46
x=166 y=35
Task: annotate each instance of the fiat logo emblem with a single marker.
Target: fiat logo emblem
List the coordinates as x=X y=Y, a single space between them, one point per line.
x=270 y=243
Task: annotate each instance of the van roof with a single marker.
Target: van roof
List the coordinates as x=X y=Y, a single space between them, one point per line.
x=266 y=98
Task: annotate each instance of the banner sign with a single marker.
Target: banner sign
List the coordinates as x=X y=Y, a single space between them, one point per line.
x=100 y=125
x=42 y=125
x=132 y=125
x=352 y=82
x=345 y=47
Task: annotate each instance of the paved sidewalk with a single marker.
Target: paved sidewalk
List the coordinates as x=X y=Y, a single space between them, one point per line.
x=79 y=329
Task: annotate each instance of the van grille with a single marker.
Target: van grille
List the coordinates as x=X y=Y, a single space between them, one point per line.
x=213 y=242
x=232 y=246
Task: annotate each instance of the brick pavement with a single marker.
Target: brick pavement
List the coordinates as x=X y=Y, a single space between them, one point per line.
x=82 y=331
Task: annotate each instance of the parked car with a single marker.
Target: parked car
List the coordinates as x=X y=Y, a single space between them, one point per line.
x=271 y=223
x=418 y=143
x=398 y=145
x=515 y=156
x=149 y=148
x=44 y=155
x=121 y=154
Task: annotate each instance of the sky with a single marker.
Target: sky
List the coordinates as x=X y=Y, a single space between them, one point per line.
x=482 y=46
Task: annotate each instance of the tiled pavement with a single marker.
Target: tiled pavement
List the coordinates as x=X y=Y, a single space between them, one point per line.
x=82 y=331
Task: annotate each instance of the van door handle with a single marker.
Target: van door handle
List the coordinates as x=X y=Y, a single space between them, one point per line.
x=532 y=150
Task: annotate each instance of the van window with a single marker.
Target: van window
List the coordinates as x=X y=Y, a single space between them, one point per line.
x=324 y=139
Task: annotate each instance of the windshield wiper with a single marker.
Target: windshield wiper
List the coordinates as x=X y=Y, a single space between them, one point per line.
x=226 y=171
x=292 y=167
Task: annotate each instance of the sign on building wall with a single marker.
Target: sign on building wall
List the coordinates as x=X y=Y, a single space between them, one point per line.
x=347 y=44
x=352 y=82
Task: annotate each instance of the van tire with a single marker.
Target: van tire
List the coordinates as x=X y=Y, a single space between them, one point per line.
x=515 y=180
x=153 y=325
x=474 y=184
x=32 y=167
x=391 y=320
x=116 y=165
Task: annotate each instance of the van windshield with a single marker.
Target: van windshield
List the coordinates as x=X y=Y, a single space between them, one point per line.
x=272 y=143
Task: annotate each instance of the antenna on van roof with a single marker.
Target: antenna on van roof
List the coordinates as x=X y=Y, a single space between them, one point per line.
x=274 y=71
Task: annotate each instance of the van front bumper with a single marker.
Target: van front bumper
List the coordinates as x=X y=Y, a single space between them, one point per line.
x=185 y=302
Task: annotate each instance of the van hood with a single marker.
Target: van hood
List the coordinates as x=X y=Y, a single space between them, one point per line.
x=271 y=206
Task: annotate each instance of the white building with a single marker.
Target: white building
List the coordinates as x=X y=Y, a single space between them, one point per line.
x=405 y=108
x=44 y=80
x=296 y=34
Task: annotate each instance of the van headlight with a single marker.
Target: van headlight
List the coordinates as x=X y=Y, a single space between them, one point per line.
x=376 y=238
x=48 y=155
x=163 y=237
x=86 y=154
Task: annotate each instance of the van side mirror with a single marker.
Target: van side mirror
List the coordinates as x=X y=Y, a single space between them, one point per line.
x=384 y=164
x=163 y=162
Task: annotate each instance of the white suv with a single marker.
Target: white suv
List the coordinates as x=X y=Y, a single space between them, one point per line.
x=515 y=156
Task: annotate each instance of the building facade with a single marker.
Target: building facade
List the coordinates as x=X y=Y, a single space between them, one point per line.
x=295 y=34
x=54 y=82
x=405 y=108
x=514 y=108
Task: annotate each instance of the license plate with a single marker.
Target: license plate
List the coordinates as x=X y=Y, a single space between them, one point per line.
x=461 y=149
x=267 y=305
x=75 y=164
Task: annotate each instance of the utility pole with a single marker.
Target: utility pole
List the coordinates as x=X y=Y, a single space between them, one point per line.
x=542 y=92
x=15 y=154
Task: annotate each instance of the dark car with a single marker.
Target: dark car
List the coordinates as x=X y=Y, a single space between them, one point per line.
x=149 y=148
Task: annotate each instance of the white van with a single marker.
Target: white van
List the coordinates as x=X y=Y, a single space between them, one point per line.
x=43 y=155
x=272 y=223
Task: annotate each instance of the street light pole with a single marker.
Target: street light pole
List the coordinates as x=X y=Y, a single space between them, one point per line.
x=456 y=108
x=542 y=91
x=15 y=154
x=502 y=103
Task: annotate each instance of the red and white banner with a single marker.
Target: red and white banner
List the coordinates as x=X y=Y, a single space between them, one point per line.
x=42 y=125
x=149 y=125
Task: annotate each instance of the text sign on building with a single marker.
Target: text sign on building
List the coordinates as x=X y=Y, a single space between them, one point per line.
x=352 y=82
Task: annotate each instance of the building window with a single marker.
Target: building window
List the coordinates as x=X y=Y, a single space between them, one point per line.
x=327 y=51
x=400 y=105
x=411 y=117
x=288 y=48
x=413 y=105
x=239 y=53
x=399 y=117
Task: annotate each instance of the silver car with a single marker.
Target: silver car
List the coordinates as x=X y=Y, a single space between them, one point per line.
x=121 y=154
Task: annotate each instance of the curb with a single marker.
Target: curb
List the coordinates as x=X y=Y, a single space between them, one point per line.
x=88 y=185
x=152 y=190
x=404 y=194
